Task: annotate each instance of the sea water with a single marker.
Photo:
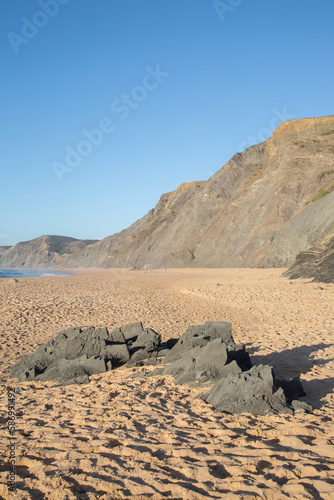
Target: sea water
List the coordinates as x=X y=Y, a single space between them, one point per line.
x=29 y=273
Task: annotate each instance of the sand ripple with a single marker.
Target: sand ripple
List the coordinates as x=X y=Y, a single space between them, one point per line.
x=119 y=438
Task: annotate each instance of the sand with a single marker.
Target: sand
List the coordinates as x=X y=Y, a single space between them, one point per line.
x=150 y=438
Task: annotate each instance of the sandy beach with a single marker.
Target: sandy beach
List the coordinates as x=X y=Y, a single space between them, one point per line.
x=141 y=438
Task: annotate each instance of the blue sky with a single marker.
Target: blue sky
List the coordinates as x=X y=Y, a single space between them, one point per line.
x=107 y=104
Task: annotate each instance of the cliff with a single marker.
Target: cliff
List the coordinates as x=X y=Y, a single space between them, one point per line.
x=45 y=251
x=262 y=208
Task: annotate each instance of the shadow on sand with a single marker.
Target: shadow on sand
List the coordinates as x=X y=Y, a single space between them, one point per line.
x=296 y=362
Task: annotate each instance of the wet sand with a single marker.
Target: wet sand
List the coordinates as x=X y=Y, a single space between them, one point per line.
x=150 y=438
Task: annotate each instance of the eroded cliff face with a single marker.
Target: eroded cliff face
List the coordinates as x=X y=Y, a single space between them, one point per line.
x=45 y=251
x=3 y=249
x=257 y=210
x=263 y=207
x=316 y=262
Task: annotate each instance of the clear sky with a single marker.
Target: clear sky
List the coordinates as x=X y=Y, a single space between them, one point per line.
x=107 y=104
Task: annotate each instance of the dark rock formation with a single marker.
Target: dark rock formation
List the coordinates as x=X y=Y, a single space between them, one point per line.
x=253 y=391
x=207 y=354
x=256 y=391
x=204 y=355
x=316 y=263
x=200 y=336
x=293 y=389
x=79 y=352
